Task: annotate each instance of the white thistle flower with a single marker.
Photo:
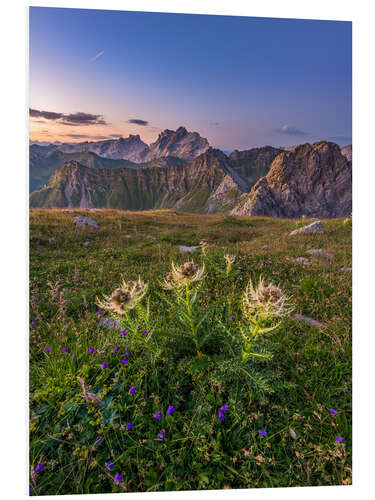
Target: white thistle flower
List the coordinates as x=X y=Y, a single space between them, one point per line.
x=266 y=300
x=181 y=275
x=124 y=298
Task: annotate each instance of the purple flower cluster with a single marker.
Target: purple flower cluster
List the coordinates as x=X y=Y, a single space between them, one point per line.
x=117 y=479
x=39 y=467
x=262 y=432
x=221 y=413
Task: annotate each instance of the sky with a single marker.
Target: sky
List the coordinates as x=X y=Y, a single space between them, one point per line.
x=241 y=82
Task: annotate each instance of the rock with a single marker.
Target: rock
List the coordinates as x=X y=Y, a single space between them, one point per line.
x=292 y=433
x=86 y=244
x=313 y=228
x=320 y=253
x=96 y=210
x=183 y=248
x=311 y=321
x=110 y=323
x=347 y=152
x=313 y=179
x=81 y=221
x=346 y=269
x=128 y=236
x=151 y=237
x=301 y=260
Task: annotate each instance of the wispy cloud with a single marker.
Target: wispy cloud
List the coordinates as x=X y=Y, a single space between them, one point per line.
x=99 y=54
x=137 y=121
x=85 y=136
x=72 y=119
x=290 y=130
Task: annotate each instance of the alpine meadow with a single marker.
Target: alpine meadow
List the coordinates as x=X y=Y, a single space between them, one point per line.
x=190 y=288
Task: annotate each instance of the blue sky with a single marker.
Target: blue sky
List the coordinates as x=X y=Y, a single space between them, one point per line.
x=241 y=82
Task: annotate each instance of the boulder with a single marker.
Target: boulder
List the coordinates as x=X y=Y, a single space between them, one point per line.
x=81 y=221
x=110 y=323
x=320 y=253
x=311 y=321
x=301 y=260
x=183 y=248
x=313 y=228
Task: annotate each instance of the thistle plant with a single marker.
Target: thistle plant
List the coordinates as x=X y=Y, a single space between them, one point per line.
x=181 y=280
x=229 y=261
x=125 y=305
x=262 y=305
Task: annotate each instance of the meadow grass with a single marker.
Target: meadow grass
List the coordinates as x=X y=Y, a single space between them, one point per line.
x=289 y=395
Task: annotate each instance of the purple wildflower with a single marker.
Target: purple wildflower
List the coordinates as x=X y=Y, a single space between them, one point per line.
x=170 y=409
x=161 y=435
x=138 y=327
x=225 y=407
x=109 y=465
x=145 y=332
x=116 y=348
x=30 y=490
x=262 y=432
x=117 y=479
x=129 y=426
x=48 y=349
x=332 y=411
x=339 y=439
x=350 y=404
x=104 y=365
x=63 y=350
x=39 y=467
x=32 y=323
x=221 y=415
x=124 y=360
x=232 y=317
x=98 y=312
x=91 y=350
x=37 y=319
x=132 y=390
x=126 y=353
x=123 y=333
x=346 y=389
x=157 y=415
x=98 y=441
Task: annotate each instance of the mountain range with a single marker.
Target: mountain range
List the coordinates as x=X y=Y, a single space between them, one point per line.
x=181 y=171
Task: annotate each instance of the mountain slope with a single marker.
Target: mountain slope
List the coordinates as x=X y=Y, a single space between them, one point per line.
x=42 y=167
x=206 y=184
x=252 y=164
x=312 y=180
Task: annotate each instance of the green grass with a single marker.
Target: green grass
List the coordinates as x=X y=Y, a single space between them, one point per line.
x=306 y=376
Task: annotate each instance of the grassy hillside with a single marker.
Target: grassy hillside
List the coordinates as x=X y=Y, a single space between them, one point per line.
x=287 y=385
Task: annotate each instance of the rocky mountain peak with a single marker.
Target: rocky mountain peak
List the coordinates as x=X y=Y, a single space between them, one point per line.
x=180 y=143
x=312 y=180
